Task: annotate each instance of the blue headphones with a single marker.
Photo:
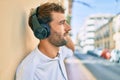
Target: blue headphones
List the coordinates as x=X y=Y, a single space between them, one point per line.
x=40 y=28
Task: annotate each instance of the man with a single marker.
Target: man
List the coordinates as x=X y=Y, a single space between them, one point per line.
x=46 y=62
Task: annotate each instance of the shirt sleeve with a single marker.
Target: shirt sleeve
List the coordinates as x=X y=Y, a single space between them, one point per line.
x=66 y=52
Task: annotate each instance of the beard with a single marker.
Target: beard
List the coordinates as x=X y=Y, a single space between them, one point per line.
x=57 y=39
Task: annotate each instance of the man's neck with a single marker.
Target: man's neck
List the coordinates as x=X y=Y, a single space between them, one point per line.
x=48 y=49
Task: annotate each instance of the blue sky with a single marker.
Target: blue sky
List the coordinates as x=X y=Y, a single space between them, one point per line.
x=80 y=11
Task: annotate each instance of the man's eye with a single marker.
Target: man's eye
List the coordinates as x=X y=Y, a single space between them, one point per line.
x=62 y=22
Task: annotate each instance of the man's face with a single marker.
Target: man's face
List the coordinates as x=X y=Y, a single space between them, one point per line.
x=58 y=29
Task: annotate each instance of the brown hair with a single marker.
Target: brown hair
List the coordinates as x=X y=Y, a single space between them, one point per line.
x=44 y=12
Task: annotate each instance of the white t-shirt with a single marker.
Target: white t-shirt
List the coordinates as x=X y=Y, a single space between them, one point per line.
x=37 y=66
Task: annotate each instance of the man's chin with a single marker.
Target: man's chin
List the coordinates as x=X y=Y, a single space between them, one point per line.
x=63 y=42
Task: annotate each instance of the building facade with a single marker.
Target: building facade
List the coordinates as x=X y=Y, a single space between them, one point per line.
x=104 y=36
x=93 y=23
x=107 y=36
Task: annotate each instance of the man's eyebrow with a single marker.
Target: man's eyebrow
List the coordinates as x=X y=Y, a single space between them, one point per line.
x=62 y=21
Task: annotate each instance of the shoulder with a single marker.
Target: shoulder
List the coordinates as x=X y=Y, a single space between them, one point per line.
x=26 y=68
x=29 y=59
x=66 y=52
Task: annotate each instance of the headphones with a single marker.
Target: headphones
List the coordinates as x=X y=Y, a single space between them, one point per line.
x=40 y=28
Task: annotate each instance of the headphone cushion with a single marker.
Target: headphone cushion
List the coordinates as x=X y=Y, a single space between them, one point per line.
x=41 y=33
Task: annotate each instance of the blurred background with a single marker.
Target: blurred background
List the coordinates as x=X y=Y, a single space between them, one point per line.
x=95 y=32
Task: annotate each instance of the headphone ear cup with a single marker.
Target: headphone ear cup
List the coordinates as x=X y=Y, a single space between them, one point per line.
x=41 y=33
x=40 y=30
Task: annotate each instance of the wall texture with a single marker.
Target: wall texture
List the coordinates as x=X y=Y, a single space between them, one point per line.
x=16 y=38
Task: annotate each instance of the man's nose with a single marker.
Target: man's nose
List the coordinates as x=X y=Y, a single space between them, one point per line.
x=67 y=27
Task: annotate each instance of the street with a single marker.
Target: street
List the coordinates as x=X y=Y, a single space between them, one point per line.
x=101 y=69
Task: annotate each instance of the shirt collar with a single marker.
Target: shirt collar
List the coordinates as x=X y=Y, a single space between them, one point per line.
x=43 y=57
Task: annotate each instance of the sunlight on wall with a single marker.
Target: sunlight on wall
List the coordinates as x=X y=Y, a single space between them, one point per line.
x=16 y=37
